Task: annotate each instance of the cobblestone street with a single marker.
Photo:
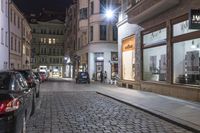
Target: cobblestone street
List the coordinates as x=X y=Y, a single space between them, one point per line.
x=89 y=112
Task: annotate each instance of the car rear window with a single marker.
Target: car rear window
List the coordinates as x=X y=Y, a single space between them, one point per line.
x=4 y=80
x=25 y=74
x=83 y=74
x=42 y=73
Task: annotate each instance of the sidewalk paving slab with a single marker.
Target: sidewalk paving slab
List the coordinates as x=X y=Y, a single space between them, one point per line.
x=181 y=112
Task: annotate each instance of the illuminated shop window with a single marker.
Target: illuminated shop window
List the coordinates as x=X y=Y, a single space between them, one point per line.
x=187 y=62
x=154 y=64
x=128 y=58
x=154 y=55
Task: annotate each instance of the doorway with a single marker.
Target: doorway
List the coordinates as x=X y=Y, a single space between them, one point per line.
x=99 y=68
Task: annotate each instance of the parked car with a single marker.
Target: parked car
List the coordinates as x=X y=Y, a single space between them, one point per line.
x=44 y=76
x=38 y=76
x=17 y=102
x=83 y=77
x=31 y=79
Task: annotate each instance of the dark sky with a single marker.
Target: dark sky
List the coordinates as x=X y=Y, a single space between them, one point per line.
x=36 y=5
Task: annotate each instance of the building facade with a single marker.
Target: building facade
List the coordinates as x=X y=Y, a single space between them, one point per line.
x=97 y=39
x=16 y=30
x=70 y=40
x=168 y=49
x=26 y=45
x=48 y=45
x=4 y=37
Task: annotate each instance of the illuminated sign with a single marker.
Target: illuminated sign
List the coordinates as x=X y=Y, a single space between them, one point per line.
x=194 y=19
x=128 y=44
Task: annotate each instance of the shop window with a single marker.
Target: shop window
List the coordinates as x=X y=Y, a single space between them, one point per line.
x=182 y=28
x=154 y=64
x=187 y=62
x=156 y=37
x=128 y=58
x=154 y=55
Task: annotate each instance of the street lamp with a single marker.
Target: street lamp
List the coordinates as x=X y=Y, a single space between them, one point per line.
x=109 y=14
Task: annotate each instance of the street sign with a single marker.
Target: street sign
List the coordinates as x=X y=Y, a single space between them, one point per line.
x=194 y=19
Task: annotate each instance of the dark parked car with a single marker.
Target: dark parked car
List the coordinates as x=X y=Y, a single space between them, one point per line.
x=83 y=77
x=38 y=76
x=17 y=102
x=32 y=80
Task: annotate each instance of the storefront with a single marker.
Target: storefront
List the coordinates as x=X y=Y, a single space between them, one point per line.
x=128 y=58
x=114 y=65
x=171 y=60
x=169 y=45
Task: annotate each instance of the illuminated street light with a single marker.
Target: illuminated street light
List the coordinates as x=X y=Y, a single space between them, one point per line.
x=109 y=14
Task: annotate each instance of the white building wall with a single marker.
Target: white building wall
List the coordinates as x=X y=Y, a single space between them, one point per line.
x=4 y=34
x=96 y=45
x=124 y=30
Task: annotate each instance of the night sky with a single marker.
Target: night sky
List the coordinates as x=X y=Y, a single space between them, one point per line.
x=29 y=6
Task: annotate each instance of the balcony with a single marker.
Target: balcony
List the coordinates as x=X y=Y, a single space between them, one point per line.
x=142 y=10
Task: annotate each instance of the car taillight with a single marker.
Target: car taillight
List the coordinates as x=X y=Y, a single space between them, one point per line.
x=9 y=105
x=30 y=80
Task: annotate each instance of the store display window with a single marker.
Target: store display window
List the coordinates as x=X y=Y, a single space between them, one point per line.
x=155 y=37
x=154 y=54
x=128 y=58
x=154 y=64
x=186 y=62
x=182 y=28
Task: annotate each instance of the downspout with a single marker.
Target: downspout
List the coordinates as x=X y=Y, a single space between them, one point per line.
x=9 y=3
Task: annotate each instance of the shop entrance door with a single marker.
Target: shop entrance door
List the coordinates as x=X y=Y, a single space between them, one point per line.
x=99 y=68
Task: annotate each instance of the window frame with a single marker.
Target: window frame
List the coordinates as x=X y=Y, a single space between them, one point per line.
x=143 y=47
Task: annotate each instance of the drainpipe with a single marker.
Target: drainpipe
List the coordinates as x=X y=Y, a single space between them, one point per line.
x=9 y=3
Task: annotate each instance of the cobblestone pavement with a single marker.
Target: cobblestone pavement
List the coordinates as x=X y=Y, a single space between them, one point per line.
x=88 y=112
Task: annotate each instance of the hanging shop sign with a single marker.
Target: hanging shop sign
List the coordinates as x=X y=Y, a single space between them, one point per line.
x=194 y=19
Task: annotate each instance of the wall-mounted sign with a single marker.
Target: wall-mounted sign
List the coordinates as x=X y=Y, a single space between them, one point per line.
x=194 y=19
x=128 y=44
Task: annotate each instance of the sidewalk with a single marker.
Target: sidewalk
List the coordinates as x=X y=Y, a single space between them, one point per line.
x=181 y=112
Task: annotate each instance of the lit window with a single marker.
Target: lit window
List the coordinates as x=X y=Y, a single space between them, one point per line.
x=54 y=41
x=50 y=41
x=41 y=40
x=45 y=40
x=186 y=66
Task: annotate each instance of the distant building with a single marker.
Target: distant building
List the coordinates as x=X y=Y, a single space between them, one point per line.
x=26 y=45
x=70 y=40
x=20 y=37
x=4 y=35
x=48 y=42
x=97 y=38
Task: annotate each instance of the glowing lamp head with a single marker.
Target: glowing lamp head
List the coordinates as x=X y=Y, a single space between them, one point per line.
x=109 y=14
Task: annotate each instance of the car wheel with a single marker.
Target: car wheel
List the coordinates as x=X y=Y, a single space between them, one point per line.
x=38 y=94
x=24 y=125
x=33 y=104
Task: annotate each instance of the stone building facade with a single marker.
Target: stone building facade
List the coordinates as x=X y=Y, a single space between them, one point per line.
x=70 y=40
x=48 y=44
x=20 y=37
x=4 y=37
x=97 y=39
